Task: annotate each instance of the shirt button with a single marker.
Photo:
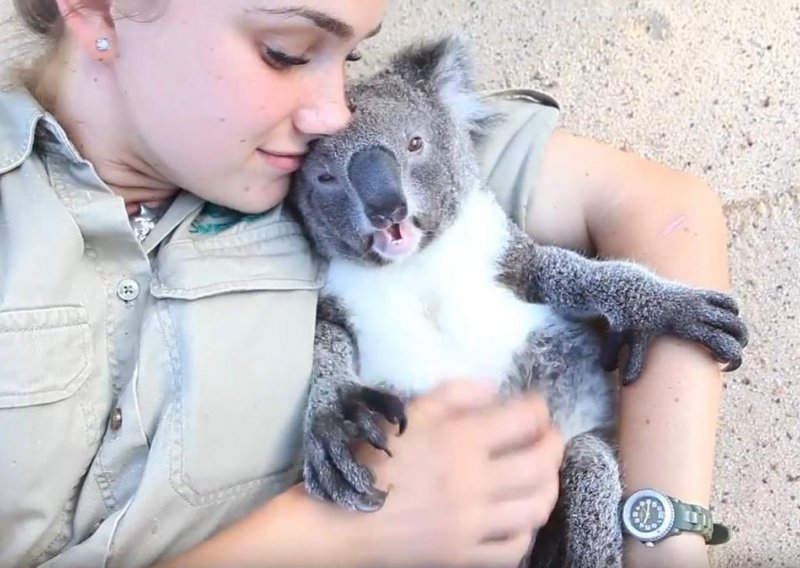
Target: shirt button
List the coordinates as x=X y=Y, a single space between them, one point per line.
x=128 y=290
x=115 y=422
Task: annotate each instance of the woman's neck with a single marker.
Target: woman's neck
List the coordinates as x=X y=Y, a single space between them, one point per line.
x=82 y=95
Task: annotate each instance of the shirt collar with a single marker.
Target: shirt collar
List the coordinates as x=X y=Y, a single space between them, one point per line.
x=20 y=114
x=21 y=118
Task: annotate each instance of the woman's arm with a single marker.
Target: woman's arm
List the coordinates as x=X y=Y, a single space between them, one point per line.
x=615 y=204
x=290 y=531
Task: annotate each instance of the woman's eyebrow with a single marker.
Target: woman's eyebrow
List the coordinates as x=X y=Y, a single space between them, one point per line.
x=327 y=22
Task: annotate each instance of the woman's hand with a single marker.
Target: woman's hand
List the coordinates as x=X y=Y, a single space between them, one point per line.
x=469 y=482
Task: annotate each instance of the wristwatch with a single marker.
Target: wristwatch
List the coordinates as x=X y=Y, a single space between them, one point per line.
x=650 y=517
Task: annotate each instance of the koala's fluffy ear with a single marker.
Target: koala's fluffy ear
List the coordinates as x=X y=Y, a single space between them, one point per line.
x=445 y=68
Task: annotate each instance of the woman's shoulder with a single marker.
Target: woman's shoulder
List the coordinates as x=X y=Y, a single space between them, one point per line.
x=520 y=97
x=511 y=153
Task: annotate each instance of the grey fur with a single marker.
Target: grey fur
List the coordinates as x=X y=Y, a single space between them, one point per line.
x=356 y=182
x=652 y=306
x=404 y=98
x=340 y=410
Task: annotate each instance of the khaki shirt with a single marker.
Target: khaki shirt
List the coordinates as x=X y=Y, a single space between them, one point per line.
x=152 y=394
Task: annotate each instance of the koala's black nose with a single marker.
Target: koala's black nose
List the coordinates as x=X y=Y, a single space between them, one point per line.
x=375 y=175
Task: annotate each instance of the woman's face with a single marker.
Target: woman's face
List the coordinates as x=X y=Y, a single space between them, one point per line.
x=222 y=97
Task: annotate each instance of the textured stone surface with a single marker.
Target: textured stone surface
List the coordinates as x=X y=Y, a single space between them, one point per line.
x=710 y=86
x=758 y=454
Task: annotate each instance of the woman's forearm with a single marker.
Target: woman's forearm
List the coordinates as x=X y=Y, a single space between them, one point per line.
x=290 y=531
x=668 y=418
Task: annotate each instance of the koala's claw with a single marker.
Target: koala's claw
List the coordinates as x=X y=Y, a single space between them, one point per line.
x=331 y=471
x=707 y=317
x=387 y=405
x=634 y=366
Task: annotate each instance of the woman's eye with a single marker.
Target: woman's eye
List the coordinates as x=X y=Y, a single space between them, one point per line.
x=354 y=56
x=280 y=60
x=415 y=144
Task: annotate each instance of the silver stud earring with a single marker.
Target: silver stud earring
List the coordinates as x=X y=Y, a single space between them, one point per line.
x=102 y=44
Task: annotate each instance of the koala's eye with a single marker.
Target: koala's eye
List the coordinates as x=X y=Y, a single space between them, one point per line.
x=415 y=144
x=326 y=178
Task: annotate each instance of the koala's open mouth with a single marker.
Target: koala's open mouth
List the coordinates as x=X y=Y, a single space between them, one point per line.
x=397 y=240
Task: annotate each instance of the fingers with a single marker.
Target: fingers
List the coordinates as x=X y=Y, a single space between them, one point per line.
x=728 y=323
x=527 y=472
x=528 y=514
x=637 y=358
x=724 y=348
x=509 y=536
x=508 y=427
x=609 y=356
x=504 y=553
x=334 y=480
x=724 y=301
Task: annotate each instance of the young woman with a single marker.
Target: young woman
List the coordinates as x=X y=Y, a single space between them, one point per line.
x=157 y=305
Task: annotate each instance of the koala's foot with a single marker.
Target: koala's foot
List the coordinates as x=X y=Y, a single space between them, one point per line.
x=331 y=471
x=704 y=316
x=591 y=493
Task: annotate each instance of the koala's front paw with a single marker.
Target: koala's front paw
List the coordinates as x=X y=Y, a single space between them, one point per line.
x=331 y=471
x=705 y=316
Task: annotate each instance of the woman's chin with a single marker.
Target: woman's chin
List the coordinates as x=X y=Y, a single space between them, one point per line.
x=254 y=200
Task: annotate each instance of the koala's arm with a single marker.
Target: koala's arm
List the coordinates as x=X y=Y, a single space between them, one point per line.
x=335 y=355
x=637 y=304
x=340 y=412
x=572 y=283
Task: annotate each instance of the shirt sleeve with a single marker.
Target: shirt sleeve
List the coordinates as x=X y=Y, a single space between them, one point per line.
x=511 y=155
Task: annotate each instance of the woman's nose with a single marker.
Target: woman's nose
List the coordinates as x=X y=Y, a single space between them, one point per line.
x=326 y=113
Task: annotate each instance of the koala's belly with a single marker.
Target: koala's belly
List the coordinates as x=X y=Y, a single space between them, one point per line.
x=414 y=338
x=441 y=314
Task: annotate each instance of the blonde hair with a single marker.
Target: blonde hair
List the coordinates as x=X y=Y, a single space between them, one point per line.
x=41 y=17
x=44 y=18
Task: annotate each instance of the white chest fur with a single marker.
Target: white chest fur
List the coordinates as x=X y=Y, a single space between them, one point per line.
x=440 y=314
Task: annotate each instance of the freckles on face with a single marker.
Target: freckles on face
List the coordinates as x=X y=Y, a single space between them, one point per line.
x=235 y=98
x=201 y=100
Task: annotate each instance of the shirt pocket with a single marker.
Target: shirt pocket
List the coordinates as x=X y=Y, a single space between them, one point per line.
x=239 y=324
x=48 y=429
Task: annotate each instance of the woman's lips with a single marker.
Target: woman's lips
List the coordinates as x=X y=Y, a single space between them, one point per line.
x=285 y=162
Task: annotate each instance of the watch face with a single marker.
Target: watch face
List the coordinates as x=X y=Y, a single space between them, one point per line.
x=648 y=515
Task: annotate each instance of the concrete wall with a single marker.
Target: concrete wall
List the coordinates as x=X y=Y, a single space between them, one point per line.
x=710 y=86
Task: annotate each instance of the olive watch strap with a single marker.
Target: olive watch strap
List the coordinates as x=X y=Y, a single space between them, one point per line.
x=693 y=518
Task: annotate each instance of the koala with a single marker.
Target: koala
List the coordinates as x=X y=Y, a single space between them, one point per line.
x=428 y=279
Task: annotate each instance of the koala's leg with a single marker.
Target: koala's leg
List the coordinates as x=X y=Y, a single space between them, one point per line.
x=584 y=529
x=340 y=411
x=562 y=362
x=638 y=305
x=591 y=492
x=548 y=544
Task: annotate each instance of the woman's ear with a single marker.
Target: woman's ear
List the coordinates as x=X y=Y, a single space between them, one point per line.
x=92 y=26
